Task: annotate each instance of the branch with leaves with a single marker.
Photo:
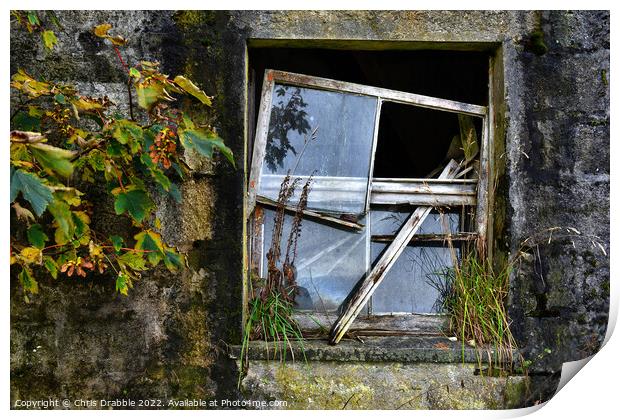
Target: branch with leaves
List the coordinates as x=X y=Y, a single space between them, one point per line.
x=62 y=141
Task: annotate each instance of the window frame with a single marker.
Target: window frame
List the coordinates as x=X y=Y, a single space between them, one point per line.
x=416 y=191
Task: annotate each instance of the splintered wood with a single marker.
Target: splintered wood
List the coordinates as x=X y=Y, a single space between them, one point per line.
x=386 y=261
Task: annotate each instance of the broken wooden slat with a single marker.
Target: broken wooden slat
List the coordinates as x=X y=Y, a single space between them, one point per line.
x=430 y=181
x=256 y=242
x=385 y=94
x=385 y=262
x=372 y=154
x=311 y=214
x=422 y=187
x=417 y=199
x=442 y=237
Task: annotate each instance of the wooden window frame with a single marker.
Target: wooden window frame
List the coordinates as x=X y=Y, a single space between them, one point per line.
x=423 y=192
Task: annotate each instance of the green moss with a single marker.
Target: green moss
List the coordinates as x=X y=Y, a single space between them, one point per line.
x=188 y=19
x=604 y=77
x=189 y=382
x=605 y=288
x=197 y=336
x=515 y=392
x=309 y=390
x=536 y=43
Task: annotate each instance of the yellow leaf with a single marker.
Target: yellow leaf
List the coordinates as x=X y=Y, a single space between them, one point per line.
x=102 y=30
x=117 y=40
x=49 y=39
x=31 y=255
x=189 y=87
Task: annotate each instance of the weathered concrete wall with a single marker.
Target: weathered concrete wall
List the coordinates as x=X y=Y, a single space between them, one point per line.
x=389 y=386
x=165 y=339
x=558 y=158
x=80 y=339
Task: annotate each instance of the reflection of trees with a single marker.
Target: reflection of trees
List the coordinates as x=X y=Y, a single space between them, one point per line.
x=285 y=116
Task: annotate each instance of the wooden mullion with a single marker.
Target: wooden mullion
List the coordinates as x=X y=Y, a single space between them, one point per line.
x=260 y=141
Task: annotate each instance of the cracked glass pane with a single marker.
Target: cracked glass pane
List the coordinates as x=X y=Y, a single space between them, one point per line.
x=328 y=135
x=416 y=282
x=329 y=261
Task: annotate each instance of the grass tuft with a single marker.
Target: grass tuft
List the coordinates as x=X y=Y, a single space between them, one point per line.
x=475 y=301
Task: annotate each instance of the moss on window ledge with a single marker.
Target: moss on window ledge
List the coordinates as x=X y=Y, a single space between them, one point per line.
x=410 y=349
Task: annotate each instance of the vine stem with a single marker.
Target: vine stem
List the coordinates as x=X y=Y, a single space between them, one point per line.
x=126 y=67
x=118 y=54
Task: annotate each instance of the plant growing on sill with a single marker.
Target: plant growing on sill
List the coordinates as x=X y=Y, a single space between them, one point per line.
x=474 y=296
x=475 y=302
x=272 y=300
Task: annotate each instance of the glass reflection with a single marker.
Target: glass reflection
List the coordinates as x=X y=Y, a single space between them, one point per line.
x=327 y=135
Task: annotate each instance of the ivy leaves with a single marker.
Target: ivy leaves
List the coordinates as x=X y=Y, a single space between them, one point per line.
x=32 y=189
x=102 y=32
x=129 y=159
x=49 y=39
x=205 y=143
x=53 y=160
x=32 y=22
x=189 y=87
x=135 y=202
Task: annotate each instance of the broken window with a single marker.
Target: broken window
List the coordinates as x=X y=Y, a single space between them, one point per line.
x=397 y=181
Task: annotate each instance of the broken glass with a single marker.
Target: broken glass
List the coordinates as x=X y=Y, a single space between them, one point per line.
x=323 y=134
x=329 y=262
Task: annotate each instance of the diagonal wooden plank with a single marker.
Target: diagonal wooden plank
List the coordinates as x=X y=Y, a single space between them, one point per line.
x=386 y=261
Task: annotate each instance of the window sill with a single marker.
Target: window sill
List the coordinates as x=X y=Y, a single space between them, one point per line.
x=407 y=349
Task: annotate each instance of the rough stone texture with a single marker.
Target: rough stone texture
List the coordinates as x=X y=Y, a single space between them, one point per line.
x=79 y=339
x=558 y=166
x=382 y=386
x=166 y=339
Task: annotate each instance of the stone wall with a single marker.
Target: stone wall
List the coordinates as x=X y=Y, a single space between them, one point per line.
x=78 y=339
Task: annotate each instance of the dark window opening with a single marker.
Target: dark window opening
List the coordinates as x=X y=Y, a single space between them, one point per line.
x=457 y=75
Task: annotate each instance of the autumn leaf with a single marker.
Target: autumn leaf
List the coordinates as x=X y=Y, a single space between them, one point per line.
x=27 y=281
x=31 y=255
x=22 y=214
x=123 y=283
x=36 y=236
x=117 y=242
x=189 y=87
x=128 y=132
x=54 y=160
x=102 y=32
x=51 y=266
x=173 y=260
x=151 y=243
x=150 y=92
x=29 y=85
x=49 y=39
x=132 y=260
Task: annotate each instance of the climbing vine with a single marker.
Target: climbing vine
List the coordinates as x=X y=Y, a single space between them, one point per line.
x=66 y=146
